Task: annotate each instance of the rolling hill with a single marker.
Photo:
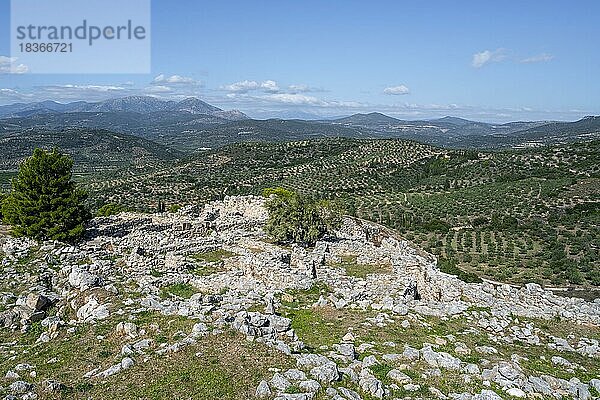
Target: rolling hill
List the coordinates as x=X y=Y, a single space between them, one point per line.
x=94 y=150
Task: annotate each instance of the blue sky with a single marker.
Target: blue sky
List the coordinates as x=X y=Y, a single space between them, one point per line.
x=491 y=61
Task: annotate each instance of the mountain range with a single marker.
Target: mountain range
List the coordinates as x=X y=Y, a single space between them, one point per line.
x=137 y=104
x=192 y=124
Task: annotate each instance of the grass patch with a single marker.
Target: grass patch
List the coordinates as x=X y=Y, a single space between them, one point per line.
x=155 y=273
x=227 y=367
x=293 y=390
x=207 y=269
x=184 y=290
x=323 y=325
x=297 y=298
x=213 y=256
x=380 y=371
x=357 y=270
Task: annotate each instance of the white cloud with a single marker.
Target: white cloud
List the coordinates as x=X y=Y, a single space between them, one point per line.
x=544 y=57
x=72 y=92
x=269 y=86
x=173 y=86
x=247 y=86
x=304 y=89
x=8 y=65
x=242 y=87
x=83 y=88
x=396 y=90
x=162 y=79
x=487 y=56
x=299 y=88
x=157 y=89
x=296 y=99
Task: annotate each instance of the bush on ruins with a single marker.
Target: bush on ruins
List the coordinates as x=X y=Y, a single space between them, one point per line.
x=294 y=218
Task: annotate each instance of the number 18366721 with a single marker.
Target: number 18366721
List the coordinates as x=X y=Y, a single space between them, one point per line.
x=35 y=47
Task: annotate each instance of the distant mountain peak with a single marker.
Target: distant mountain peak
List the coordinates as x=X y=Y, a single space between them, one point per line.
x=370 y=118
x=136 y=104
x=195 y=106
x=453 y=120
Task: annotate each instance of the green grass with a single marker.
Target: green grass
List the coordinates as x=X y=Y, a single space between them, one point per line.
x=293 y=389
x=184 y=290
x=213 y=256
x=357 y=270
x=156 y=273
x=229 y=367
x=207 y=269
x=381 y=370
x=211 y=262
x=297 y=298
x=317 y=326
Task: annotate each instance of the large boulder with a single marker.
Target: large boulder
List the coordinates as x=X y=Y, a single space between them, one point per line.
x=82 y=279
x=92 y=310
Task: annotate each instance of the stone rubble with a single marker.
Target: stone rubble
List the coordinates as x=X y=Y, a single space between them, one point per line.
x=156 y=251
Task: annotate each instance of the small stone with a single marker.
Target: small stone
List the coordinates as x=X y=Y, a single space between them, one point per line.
x=295 y=375
x=348 y=338
x=280 y=382
x=399 y=376
x=369 y=361
x=37 y=302
x=263 y=391
x=516 y=392
x=325 y=373
x=411 y=387
x=127 y=363
x=127 y=329
x=52 y=386
x=310 y=386
x=11 y=375
x=20 y=387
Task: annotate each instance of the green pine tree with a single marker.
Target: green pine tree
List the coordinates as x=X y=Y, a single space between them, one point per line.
x=44 y=202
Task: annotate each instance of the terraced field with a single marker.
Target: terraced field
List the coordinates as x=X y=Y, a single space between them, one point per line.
x=513 y=216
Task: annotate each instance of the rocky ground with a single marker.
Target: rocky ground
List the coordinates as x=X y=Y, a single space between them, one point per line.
x=199 y=304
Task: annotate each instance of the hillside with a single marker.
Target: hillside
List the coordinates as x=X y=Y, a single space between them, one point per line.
x=513 y=216
x=94 y=150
